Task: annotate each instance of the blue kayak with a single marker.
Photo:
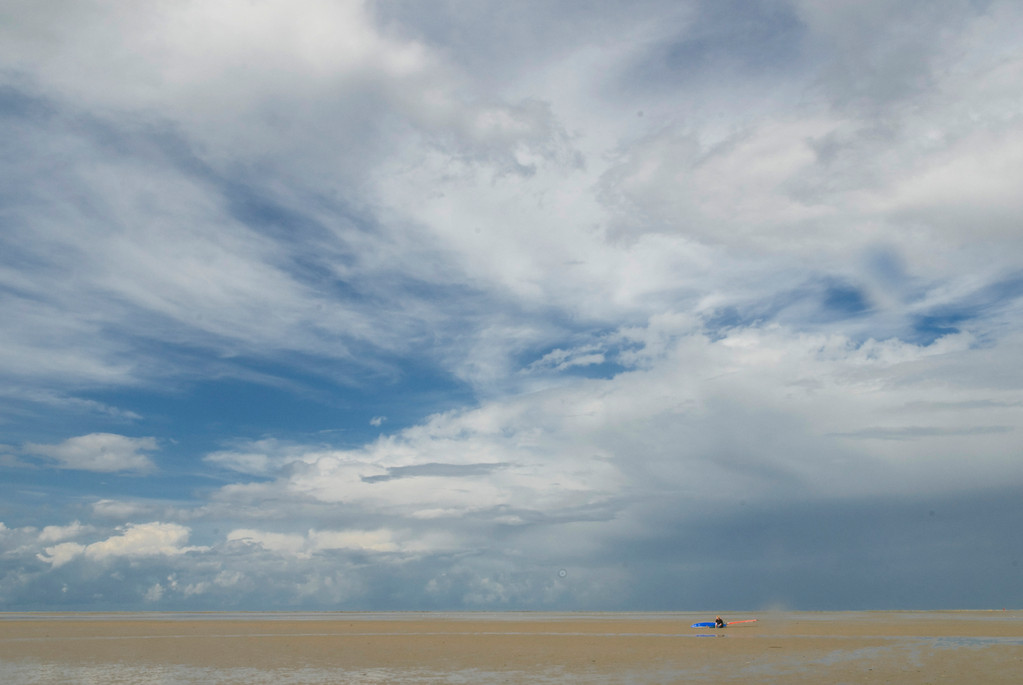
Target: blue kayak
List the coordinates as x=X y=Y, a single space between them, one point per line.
x=711 y=624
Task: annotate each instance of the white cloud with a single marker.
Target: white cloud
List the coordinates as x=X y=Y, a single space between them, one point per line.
x=602 y=238
x=144 y=539
x=171 y=250
x=229 y=74
x=119 y=510
x=971 y=181
x=560 y=359
x=179 y=54
x=200 y=588
x=103 y=452
x=282 y=543
x=304 y=546
x=136 y=540
x=261 y=457
x=758 y=414
x=773 y=249
x=58 y=555
x=245 y=462
x=155 y=593
x=61 y=402
x=228 y=578
x=58 y=533
x=369 y=540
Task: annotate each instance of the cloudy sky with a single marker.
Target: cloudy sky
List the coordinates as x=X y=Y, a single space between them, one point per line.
x=639 y=305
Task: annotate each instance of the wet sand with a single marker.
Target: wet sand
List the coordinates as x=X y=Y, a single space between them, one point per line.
x=842 y=647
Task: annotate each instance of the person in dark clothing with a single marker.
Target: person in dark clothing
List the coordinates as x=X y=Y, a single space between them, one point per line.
x=718 y=623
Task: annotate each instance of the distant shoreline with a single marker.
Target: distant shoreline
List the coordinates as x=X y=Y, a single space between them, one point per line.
x=625 y=613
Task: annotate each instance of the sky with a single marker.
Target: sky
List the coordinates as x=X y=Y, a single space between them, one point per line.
x=470 y=305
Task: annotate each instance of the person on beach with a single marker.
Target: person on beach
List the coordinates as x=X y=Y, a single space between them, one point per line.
x=718 y=623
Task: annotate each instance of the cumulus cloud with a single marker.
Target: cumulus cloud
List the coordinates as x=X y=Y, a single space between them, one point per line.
x=58 y=555
x=58 y=533
x=155 y=593
x=103 y=452
x=135 y=540
x=143 y=539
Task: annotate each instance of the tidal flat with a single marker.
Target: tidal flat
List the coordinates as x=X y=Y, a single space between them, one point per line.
x=514 y=647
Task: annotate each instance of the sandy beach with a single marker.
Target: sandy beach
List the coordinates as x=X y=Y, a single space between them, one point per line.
x=842 y=647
